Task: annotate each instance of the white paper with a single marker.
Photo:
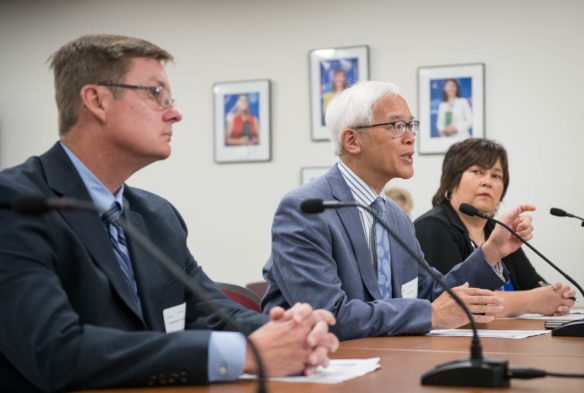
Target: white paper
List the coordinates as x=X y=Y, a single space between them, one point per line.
x=339 y=370
x=174 y=318
x=486 y=333
x=410 y=289
x=572 y=316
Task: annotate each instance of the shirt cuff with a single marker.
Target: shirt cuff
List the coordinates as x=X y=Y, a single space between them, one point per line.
x=499 y=270
x=226 y=356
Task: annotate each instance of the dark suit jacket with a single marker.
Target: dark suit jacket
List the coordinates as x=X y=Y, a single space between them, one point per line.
x=67 y=321
x=445 y=242
x=324 y=259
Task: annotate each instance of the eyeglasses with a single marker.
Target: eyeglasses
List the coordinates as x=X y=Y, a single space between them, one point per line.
x=398 y=127
x=160 y=94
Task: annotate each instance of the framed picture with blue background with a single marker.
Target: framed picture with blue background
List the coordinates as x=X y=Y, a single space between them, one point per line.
x=242 y=121
x=451 y=105
x=331 y=71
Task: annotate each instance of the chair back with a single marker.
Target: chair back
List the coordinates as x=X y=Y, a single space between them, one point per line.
x=241 y=295
x=258 y=287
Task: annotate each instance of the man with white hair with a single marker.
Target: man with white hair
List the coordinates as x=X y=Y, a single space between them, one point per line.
x=341 y=261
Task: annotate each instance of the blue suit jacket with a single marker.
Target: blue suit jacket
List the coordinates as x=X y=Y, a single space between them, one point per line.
x=323 y=259
x=67 y=320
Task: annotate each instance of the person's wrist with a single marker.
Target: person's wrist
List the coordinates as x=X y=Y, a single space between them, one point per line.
x=491 y=253
x=250 y=366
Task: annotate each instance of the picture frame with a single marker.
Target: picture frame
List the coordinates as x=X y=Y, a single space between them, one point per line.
x=345 y=66
x=451 y=105
x=242 y=121
x=309 y=173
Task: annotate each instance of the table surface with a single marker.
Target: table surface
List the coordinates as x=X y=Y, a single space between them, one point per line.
x=405 y=359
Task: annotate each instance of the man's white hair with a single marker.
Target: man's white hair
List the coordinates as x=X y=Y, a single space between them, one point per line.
x=354 y=107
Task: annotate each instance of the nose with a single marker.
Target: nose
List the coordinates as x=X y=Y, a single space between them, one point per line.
x=173 y=114
x=409 y=137
x=486 y=180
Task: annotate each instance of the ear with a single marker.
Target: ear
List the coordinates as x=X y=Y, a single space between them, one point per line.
x=93 y=99
x=351 y=141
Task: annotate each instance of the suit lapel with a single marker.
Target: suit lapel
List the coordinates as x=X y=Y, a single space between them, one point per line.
x=352 y=223
x=147 y=272
x=63 y=179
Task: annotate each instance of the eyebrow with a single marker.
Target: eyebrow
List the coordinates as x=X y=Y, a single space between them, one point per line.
x=398 y=117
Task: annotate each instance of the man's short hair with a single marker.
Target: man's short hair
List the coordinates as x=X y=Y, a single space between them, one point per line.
x=91 y=59
x=354 y=107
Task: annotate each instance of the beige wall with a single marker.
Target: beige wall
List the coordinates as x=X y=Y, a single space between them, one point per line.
x=534 y=83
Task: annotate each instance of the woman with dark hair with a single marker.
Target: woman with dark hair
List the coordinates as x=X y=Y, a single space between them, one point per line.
x=454 y=114
x=475 y=171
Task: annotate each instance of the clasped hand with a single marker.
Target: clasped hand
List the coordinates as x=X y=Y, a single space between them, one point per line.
x=295 y=341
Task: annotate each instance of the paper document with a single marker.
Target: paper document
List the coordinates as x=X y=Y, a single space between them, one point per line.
x=572 y=316
x=339 y=370
x=487 y=333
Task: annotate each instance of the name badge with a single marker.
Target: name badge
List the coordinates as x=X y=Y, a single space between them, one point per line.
x=174 y=318
x=410 y=289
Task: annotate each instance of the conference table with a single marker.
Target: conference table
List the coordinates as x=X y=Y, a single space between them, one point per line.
x=404 y=359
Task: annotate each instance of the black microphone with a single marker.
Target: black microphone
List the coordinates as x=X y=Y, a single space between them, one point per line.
x=572 y=328
x=38 y=204
x=311 y=206
x=474 y=371
x=554 y=211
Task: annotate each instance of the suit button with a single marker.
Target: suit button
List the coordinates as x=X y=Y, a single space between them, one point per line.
x=162 y=379
x=183 y=377
x=152 y=380
x=222 y=371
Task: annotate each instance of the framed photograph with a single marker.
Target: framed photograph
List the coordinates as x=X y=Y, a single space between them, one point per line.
x=451 y=104
x=242 y=121
x=331 y=71
x=307 y=174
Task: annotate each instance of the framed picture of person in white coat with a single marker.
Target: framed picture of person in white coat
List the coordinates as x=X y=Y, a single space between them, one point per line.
x=451 y=105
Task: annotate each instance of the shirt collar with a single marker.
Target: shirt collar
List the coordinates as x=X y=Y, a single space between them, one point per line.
x=362 y=192
x=100 y=195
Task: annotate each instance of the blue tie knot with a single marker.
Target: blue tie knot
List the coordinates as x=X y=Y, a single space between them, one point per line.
x=111 y=215
x=378 y=206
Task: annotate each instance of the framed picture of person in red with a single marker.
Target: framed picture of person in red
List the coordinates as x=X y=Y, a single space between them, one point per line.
x=242 y=121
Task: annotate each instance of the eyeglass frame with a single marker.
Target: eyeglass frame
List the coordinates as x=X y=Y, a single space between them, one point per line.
x=409 y=125
x=154 y=90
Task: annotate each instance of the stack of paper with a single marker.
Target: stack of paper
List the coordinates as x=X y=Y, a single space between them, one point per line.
x=487 y=333
x=339 y=370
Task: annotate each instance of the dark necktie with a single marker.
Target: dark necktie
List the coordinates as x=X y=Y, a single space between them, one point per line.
x=118 y=239
x=381 y=242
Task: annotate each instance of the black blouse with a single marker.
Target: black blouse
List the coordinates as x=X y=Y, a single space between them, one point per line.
x=445 y=243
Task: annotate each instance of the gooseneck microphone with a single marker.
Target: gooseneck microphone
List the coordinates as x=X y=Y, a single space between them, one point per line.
x=474 y=371
x=572 y=328
x=33 y=205
x=39 y=204
x=554 y=211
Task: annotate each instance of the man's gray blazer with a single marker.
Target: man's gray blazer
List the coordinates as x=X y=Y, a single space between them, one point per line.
x=324 y=259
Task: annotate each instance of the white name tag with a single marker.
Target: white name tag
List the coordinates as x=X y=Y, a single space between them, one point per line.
x=410 y=289
x=174 y=318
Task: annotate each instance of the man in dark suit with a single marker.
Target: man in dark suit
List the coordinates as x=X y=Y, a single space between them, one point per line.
x=332 y=260
x=81 y=305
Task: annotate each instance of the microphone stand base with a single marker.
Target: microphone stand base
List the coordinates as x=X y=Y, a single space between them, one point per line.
x=467 y=372
x=570 y=329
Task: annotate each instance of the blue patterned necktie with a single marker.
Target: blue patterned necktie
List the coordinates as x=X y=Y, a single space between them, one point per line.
x=118 y=239
x=381 y=238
